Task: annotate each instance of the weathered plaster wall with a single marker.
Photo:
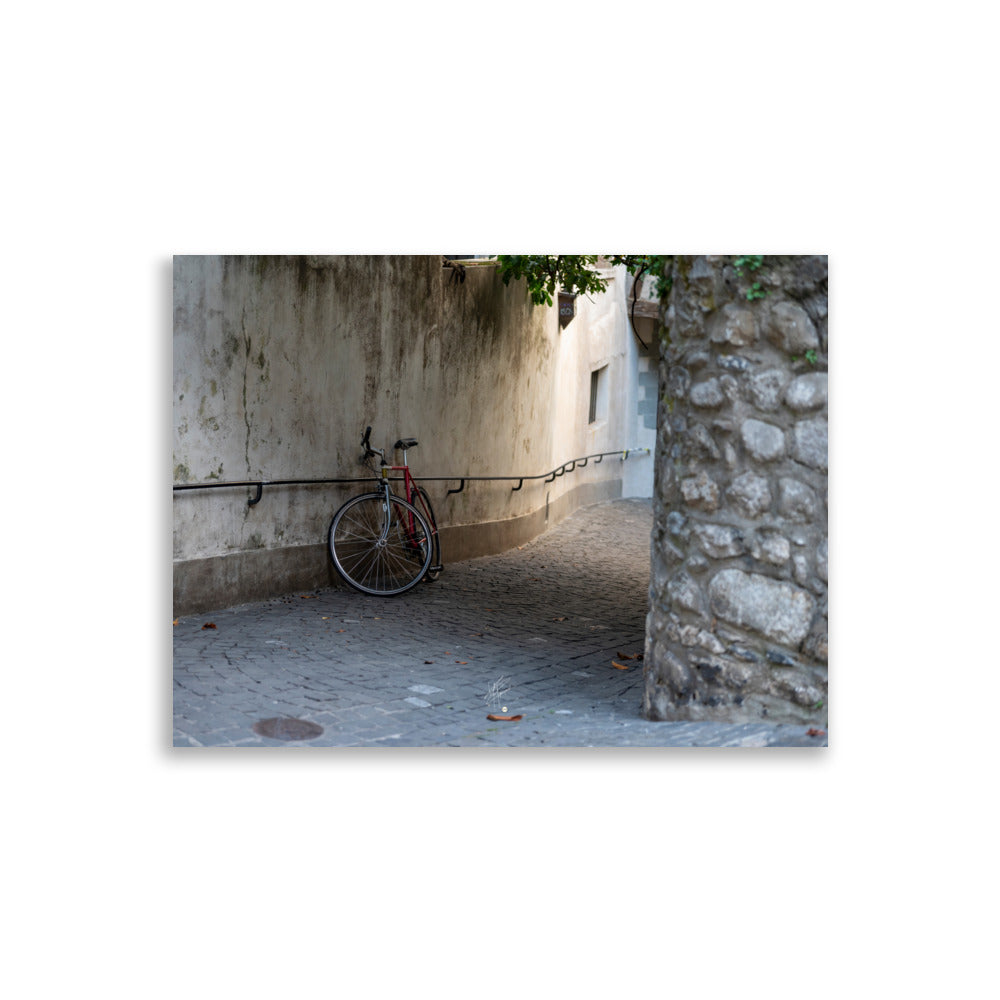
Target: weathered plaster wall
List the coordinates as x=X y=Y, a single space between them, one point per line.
x=643 y=348
x=280 y=363
x=737 y=627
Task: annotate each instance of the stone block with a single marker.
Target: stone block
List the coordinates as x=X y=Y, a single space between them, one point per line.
x=774 y=608
x=678 y=382
x=810 y=443
x=688 y=635
x=807 y=392
x=701 y=442
x=764 y=442
x=676 y=523
x=734 y=325
x=708 y=395
x=696 y=563
x=737 y=675
x=817 y=644
x=790 y=329
x=771 y=547
x=798 y=690
x=796 y=501
x=765 y=390
x=700 y=492
x=822 y=561
x=750 y=494
x=678 y=675
x=733 y=363
x=708 y=641
x=720 y=541
x=684 y=593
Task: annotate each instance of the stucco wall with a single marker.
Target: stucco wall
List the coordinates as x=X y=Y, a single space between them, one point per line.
x=280 y=363
x=642 y=346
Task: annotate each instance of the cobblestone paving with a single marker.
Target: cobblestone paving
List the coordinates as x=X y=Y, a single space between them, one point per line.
x=548 y=619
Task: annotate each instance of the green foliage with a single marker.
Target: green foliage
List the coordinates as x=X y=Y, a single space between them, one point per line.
x=577 y=274
x=544 y=274
x=752 y=262
x=658 y=265
x=811 y=356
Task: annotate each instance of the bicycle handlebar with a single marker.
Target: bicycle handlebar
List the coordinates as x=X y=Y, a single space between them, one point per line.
x=370 y=452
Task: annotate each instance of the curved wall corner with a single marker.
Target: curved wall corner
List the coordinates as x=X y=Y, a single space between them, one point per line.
x=280 y=362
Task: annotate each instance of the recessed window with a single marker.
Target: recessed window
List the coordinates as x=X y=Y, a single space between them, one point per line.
x=598 y=395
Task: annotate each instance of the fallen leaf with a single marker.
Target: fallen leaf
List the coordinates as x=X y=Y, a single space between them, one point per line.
x=341 y=630
x=307 y=597
x=626 y=656
x=209 y=625
x=815 y=732
x=504 y=718
x=619 y=666
x=559 y=619
x=463 y=662
x=176 y=621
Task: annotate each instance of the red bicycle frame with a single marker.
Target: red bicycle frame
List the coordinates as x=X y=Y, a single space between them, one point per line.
x=412 y=497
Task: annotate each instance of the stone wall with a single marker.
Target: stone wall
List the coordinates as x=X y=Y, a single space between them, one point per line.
x=737 y=627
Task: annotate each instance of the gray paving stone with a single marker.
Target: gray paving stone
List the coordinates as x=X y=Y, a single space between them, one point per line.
x=551 y=616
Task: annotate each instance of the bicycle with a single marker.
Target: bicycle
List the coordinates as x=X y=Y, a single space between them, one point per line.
x=382 y=543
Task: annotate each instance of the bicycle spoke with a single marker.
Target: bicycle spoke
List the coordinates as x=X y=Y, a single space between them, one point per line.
x=375 y=558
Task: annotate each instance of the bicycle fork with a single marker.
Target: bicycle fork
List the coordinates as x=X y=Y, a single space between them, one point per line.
x=408 y=521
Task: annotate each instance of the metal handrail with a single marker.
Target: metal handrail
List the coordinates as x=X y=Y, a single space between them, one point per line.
x=550 y=476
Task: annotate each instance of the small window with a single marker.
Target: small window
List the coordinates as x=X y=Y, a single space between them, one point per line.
x=598 y=395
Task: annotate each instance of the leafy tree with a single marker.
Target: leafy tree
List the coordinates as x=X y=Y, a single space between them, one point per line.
x=576 y=274
x=543 y=274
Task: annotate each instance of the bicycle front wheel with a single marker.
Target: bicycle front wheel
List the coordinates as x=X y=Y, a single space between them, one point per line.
x=380 y=547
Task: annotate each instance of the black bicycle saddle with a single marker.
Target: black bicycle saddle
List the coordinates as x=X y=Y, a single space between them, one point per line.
x=405 y=443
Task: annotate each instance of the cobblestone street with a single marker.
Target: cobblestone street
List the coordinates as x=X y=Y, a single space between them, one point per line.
x=547 y=622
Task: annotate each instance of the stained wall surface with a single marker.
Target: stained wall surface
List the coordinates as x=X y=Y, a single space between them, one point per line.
x=280 y=363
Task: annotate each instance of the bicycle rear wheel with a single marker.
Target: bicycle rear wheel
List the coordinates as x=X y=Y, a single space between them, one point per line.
x=379 y=548
x=423 y=503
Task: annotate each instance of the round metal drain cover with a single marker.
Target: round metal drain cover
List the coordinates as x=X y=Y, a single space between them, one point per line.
x=287 y=729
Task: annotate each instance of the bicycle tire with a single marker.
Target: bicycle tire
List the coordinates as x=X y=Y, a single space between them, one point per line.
x=434 y=570
x=380 y=567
